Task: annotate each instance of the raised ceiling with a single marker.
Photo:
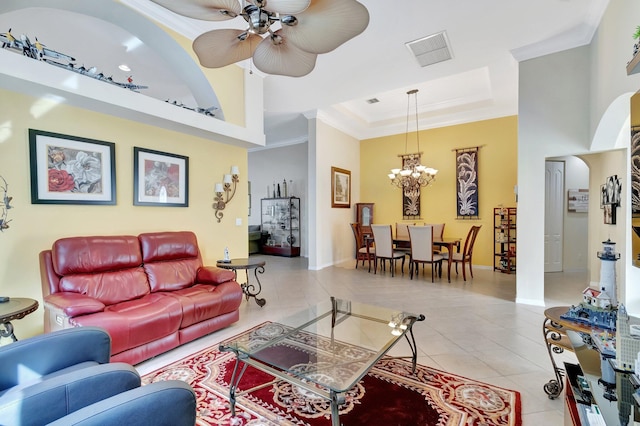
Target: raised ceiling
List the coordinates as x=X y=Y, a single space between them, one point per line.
x=486 y=40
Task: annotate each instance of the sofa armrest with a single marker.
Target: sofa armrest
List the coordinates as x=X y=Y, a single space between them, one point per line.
x=214 y=275
x=47 y=400
x=47 y=353
x=170 y=402
x=74 y=304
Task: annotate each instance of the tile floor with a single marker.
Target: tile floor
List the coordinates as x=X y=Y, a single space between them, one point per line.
x=473 y=329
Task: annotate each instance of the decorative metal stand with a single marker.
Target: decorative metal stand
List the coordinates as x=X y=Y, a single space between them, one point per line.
x=552 y=335
x=248 y=288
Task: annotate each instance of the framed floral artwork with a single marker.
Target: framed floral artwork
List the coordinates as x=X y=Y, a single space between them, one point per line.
x=160 y=179
x=71 y=170
x=340 y=188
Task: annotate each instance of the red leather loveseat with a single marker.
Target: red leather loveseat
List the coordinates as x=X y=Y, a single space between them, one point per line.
x=150 y=292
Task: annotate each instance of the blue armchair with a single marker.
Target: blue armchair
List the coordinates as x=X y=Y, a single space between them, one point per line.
x=168 y=403
x=65 y=377
x=50 y=375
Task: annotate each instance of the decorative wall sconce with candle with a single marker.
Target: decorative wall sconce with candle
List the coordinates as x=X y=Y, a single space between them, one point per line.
x=225 y=191
x=4 y=205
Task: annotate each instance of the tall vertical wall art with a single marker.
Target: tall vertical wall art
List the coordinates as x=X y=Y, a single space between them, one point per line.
x=635 y=190
x=410 y=194
x=467 y=182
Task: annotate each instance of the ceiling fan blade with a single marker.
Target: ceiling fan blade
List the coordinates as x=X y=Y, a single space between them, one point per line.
x=327 y=24
x=219 y=48
x=206 y=10
x=287 y=7
x=283 y=59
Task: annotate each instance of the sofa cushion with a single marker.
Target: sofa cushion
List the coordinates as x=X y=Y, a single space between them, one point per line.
x=136 y=322
x=170 y=276
x=202 y=302
x=171 y=259
x=77 y=255
x=108 y=287
x=107 y=268
x=163 y=246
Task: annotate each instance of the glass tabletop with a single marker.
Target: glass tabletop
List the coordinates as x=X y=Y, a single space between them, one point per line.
x=332 y=344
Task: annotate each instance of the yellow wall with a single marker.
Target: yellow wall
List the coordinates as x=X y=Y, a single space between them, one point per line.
x=497 y=174
x=34 y=227
x=227 y=83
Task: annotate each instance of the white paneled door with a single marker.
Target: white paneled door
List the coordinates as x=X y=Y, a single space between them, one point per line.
x=553 y=215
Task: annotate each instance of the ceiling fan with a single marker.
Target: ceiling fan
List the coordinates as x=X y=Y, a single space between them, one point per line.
x=307 y=28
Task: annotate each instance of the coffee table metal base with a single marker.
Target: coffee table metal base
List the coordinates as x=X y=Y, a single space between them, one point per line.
x=335 y=398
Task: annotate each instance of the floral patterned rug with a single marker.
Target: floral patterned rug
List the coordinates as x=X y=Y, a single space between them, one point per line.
x=390 y=394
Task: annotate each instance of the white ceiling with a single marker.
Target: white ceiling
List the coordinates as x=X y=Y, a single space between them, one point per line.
x=487 y=39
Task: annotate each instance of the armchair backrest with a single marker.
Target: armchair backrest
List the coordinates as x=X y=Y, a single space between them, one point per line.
x=48 y=353
x=421 y=243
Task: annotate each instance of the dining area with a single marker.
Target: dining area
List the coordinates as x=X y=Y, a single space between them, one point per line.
x=420 y=246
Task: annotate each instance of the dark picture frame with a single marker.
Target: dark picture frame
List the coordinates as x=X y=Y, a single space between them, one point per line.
x=71 y=169
x=340 y=188
x=160 y=179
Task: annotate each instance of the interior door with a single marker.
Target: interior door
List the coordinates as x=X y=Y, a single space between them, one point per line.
x=553 y=215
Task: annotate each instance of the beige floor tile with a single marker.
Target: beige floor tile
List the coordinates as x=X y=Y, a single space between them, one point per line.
x=473 y=328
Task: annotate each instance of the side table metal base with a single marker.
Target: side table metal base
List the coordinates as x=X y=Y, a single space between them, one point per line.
x=249 y=289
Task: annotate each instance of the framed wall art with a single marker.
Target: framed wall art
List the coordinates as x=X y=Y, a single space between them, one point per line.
x=340 y=188
x=71 y=170
x=160 y=179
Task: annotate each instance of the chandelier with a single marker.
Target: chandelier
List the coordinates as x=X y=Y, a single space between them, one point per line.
x=413 y=174
x=307 y=28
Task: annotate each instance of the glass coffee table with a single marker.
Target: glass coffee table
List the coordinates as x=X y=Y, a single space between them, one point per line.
x=325 y=349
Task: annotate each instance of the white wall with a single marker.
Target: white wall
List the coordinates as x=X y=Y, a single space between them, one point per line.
x=267 y=166
x=332 y=235
x=570 y=104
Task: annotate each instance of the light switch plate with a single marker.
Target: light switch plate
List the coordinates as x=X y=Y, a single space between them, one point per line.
x=238 y=221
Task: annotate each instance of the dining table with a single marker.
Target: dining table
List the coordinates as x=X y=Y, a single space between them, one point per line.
x=450 y=243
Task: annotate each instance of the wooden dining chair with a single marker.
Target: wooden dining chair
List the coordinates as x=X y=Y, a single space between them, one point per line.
x=421 y=238
x=383 y=240
x=362 y=253
x=466 y=257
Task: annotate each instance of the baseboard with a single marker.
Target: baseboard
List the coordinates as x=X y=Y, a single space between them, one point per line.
x=533 y=302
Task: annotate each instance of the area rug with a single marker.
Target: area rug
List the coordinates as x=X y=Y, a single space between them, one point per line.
x=390 y=394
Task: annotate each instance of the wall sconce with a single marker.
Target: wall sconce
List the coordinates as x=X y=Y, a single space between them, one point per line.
x=225 y=191
x=4 y=205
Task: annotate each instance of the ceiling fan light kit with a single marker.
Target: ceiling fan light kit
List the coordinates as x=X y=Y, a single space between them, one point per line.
x=307 y=28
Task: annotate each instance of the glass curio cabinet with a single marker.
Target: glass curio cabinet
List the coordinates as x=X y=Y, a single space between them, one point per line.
x=281 y=226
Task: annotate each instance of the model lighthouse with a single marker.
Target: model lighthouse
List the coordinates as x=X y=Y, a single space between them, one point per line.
x=608 y=258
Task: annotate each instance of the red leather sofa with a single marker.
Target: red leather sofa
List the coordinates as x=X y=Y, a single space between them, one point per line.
x=151 y=292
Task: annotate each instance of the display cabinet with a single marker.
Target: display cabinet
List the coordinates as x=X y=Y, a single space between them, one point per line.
x=281 y=223
x=364 y=217
x=504 y=259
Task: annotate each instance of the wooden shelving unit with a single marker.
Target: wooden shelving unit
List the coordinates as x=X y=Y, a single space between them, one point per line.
x=504 y=220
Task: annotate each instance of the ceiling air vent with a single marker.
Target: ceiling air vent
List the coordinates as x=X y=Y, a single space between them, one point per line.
x=373 y=101
x=431 y=49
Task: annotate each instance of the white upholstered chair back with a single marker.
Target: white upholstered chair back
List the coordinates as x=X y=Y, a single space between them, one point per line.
x=421 y=243
x=438 y=230
x=383 y=240
x=402 y=231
